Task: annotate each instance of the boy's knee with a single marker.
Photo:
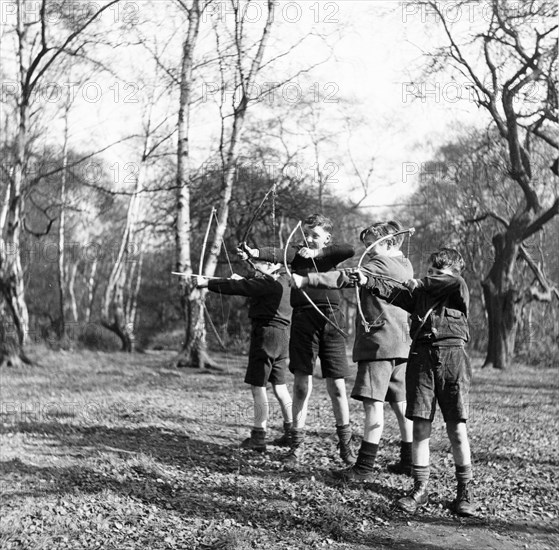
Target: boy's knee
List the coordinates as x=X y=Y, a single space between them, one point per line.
x=421 y=429
x=300 y=391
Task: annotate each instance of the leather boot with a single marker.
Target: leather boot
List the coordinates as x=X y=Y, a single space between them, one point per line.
x=256 y=441
x=416 y=498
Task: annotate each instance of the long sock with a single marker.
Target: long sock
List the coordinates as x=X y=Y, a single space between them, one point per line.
x=344 y=433
x=366 y=457
x=464 y=473
x=405 y=452
x=420 y=473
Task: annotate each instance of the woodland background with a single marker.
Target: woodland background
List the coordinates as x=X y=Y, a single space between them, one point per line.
x=125 y=124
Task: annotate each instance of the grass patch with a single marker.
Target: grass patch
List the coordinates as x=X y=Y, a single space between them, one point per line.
x=121 y=451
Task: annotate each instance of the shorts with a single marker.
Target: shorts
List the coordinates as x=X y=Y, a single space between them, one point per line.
x=268 y=355
x=438 y=374
x=312 y=337
x=383 y=380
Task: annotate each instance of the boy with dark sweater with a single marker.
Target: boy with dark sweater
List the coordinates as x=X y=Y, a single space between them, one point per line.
x=379 y=350
x=270 y=314
x=312 y=336
x=438 y=368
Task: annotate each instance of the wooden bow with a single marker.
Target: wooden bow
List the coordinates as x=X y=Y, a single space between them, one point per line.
x=307 y=297
x=366 y=324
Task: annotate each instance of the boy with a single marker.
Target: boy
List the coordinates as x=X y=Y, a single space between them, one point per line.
x=379 y=350
x=312 y=336
x=270 y=314
x=438 y=369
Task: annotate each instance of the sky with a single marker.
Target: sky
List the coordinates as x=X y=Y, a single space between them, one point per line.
x=371 y=73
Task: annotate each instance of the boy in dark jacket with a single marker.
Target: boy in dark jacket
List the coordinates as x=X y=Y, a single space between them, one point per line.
x=438 y=368
x=270 y=314
x=380 y=350
x=312 y=336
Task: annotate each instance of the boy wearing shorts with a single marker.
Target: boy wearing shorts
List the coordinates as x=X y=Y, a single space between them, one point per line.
x=379 y=350
x=270 y=315
x=438 y=369
x=312 y=336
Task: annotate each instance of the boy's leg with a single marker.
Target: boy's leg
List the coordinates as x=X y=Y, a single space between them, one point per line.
x=338 y=396
x=406 y=437
x=363 y=468
x=257 y=439
x=302 y=389
x=458 y=436
x=453 y=396
x=284 y=399
x=418 y=496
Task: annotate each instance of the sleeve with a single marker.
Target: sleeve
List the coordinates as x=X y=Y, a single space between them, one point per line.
x=275 y=255
x=330 y=279
x=392 y=293
x=243 y=287
x=451 y=286
x=337 y=253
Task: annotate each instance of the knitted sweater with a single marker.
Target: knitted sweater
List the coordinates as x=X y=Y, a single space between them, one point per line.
x=329 y=258
x=449 y=298
x=269 y=297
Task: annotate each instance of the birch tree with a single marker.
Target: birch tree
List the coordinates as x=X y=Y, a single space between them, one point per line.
x=38 y=50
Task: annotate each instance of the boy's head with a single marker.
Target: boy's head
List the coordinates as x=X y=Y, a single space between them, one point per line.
x=318 y=231
x=382 y=229
x=446 y=260
x=268 y=268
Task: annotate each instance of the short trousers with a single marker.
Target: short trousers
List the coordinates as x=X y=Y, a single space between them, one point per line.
x=312 y=337
x=268 y=355
x=438 y=374
x=382 y=380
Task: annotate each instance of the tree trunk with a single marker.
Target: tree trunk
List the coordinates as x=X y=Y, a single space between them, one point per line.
x=13 y=309
x=193 y=352
x=61 y=228
x=501 y=302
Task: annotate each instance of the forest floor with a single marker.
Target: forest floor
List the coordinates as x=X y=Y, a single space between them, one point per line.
x=116 y=451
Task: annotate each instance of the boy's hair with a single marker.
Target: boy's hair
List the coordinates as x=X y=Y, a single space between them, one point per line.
x=318 y=220
x=447 y=258
x=378 y=230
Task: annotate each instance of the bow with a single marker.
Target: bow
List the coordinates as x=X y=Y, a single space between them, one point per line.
x=307 y=297
x=251 y=223
x=366 y=324
x=200 y=269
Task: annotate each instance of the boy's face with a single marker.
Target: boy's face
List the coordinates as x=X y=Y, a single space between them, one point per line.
x=435 y=271
x=380 y=249
x=316 y=237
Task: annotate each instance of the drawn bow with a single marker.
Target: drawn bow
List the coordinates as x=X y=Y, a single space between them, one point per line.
x=307 y=297
x=251 y=223
x=367 y=325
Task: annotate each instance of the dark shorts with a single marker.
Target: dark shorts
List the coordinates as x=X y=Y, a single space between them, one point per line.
x=268 y=355
x=383 y=380
x=438 y=374
x=312 y=337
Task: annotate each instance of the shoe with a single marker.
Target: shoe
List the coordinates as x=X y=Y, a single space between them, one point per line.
x=399 y=468
x=256 y=441
x=417 y=498
x=294 y=456
x=285 y=439
x=353 y=474
x=462 y=504
x=282 y=441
